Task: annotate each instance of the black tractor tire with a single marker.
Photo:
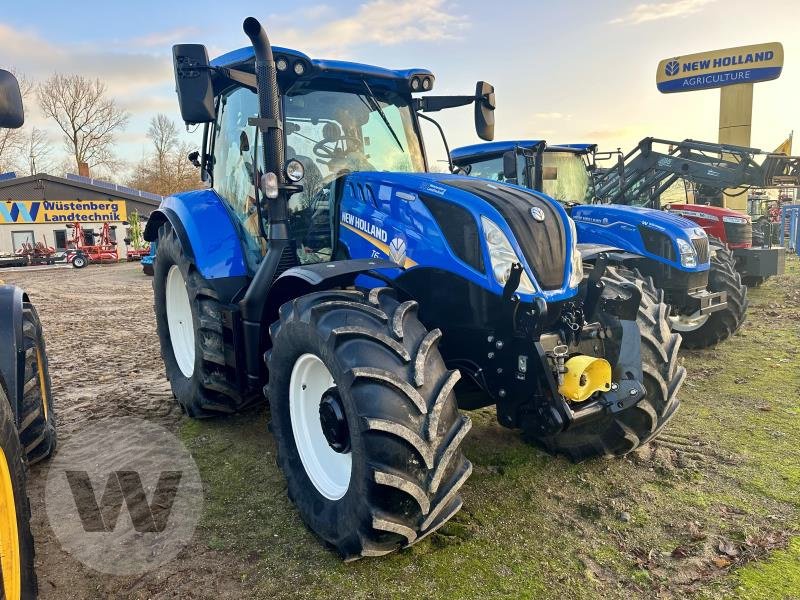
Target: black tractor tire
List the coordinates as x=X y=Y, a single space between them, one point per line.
x=17 y=545
x=37 y=418
x=80 y=261
x=148 y=270
x=210 y=390
x=721 y=324
x=623 y=432
x=404 y=426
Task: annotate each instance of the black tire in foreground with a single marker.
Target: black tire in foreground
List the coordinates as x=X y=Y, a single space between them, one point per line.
x=37 y=419
x=80 y=261
x=193 y=340
x=619 y=434
x=17 y=575
x=399 y=428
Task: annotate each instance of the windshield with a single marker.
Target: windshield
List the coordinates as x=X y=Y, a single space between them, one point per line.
x=565 y=178
x=333 y=132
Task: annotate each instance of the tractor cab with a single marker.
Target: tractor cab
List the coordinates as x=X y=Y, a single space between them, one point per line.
x=337 y=118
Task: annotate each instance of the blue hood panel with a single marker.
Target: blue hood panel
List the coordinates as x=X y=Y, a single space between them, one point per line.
x=618 y=226
x=395 y=223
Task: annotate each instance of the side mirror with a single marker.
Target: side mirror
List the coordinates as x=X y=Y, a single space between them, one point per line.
x=12 y=115
x=193 y=83
x=510 y=166
x=484 y=110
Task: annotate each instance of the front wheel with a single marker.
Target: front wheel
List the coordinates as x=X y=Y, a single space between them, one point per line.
x=365 y=420
x=193 y=338
x=704 y=331
x=623 y=432
x=17 y=577
x=79 y=261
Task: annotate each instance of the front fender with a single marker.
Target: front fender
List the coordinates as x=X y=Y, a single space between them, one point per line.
x=208 y=235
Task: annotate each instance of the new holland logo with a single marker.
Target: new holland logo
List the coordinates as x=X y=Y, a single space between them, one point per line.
x=671 y=68
x=537 y=214
x=397 y=250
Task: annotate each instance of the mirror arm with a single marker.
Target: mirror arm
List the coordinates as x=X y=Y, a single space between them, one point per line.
x=436 y=103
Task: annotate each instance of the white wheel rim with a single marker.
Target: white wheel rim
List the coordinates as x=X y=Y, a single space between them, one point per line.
x=180 y=322
x=688 y=322
x=327 y=469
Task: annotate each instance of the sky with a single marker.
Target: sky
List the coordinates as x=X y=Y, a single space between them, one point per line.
x=571 y=71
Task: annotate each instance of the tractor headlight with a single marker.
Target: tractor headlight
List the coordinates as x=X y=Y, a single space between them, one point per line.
x=294 y=170
x=502 y=256
x=575 y=260
x=688 y=255
x=736 y=220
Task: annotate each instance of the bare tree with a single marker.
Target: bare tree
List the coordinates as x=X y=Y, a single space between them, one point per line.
x=12 y=141
x=37 y=150
x=163 y=132
x=87 y=117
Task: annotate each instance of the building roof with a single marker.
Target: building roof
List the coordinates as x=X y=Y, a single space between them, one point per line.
x=37 y=185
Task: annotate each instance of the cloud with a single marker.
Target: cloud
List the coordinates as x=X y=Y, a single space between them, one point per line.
x=378 y=22
x=125 y=73
x=643 y=13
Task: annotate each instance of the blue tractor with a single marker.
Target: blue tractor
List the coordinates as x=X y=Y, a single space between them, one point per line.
x=694 y=275
x=326 y=269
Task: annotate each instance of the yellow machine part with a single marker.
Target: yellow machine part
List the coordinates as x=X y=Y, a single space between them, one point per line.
x=585 y=375
x=9 y=535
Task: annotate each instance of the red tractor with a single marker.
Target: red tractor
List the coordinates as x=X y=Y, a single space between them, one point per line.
x=736 y=230
x=85 y=248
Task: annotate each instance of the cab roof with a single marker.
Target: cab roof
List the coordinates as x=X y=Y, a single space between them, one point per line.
x=243 y=59
x=490 y=148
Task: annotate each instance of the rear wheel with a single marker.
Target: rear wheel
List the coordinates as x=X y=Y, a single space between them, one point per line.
x=365 y=419
x=193 y=338
x=37 y=419
x=623 y=432
x=753 y=280
x=79 y=261
x=17 y=577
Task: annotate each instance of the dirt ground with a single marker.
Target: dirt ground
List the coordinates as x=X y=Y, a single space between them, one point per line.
x=709 y=510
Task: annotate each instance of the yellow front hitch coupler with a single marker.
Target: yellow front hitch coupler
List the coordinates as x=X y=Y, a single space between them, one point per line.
x=584 y=376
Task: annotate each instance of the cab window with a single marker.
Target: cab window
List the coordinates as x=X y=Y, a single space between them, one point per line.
x=233 y=164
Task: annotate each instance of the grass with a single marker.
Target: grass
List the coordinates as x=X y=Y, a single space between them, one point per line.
x=723 y=477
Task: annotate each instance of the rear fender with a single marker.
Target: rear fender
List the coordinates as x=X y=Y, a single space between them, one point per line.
x=12 y=359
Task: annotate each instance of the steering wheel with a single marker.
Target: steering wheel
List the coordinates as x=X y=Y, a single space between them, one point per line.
x=328 y=149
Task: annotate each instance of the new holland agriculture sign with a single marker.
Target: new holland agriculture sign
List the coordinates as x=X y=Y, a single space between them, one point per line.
x=746 y=64
x=61 y=211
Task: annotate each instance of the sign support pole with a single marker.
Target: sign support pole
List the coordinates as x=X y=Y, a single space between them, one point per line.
x=735 y=122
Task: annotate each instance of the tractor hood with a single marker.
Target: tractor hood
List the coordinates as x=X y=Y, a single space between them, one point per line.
x=703 y=211
x=645 y=231
x=439 y=221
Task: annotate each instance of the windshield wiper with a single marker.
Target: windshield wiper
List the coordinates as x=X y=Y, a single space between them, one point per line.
x=377 y=106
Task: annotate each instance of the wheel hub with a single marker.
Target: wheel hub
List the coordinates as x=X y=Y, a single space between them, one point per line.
x=334 y=422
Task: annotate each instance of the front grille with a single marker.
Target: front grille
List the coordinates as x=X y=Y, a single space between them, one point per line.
x=657 y=242
x=543 y=244
x=739 y=233
x=459 y=228
x=701 y=247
